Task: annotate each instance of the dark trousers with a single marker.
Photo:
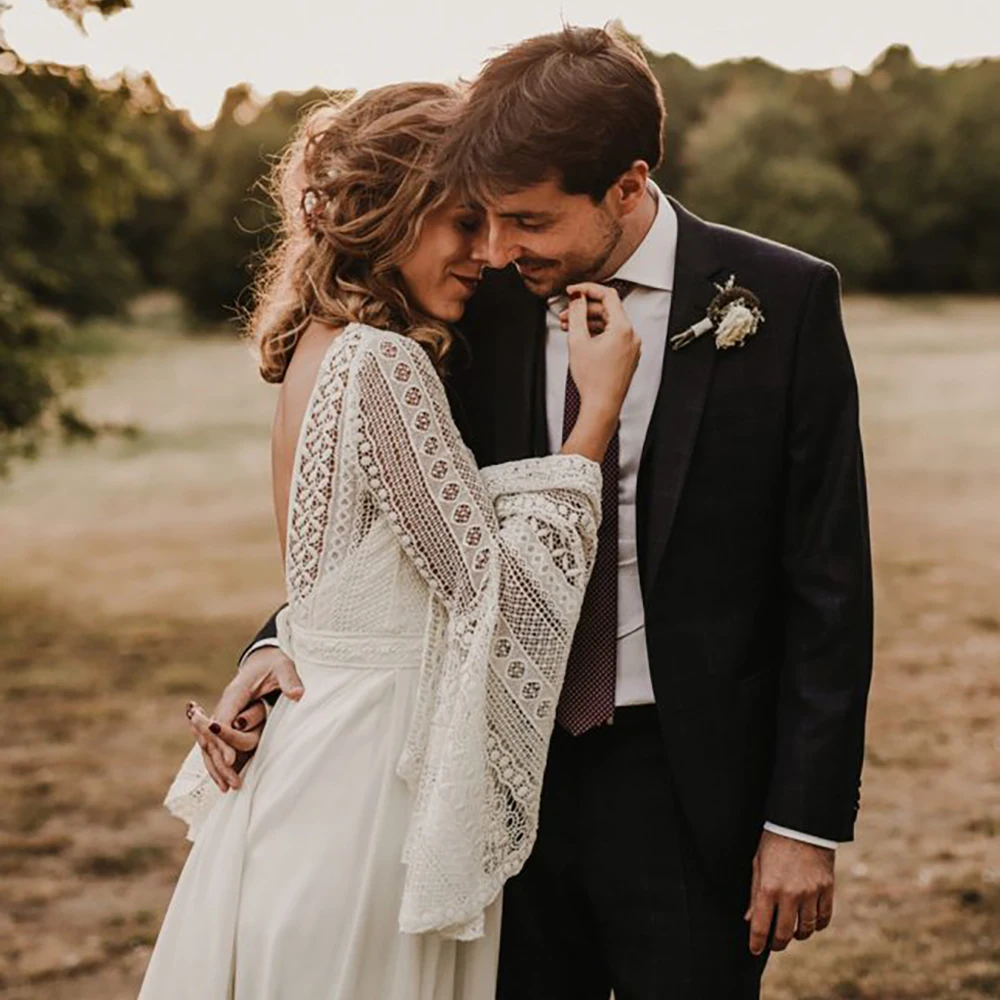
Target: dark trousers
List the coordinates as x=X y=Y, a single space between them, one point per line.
x=614 y=896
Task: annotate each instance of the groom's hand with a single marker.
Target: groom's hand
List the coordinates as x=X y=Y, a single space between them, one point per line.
x=792 y=888
x=229 y=737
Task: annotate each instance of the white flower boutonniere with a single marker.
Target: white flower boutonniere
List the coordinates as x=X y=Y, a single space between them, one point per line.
x=734 y=314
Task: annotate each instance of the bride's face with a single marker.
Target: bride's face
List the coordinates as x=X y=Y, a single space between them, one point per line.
x=443 y=271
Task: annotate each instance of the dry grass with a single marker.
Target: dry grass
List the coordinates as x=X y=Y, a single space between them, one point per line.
x=133 y=571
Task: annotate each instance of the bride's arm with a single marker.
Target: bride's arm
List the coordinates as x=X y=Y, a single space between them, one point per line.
x=439 y=503
x=507 y=551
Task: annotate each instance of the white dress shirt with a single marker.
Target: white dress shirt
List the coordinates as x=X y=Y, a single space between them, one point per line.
x=651 y=270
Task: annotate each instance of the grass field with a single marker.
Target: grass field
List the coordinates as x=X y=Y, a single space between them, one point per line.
x=133 y=570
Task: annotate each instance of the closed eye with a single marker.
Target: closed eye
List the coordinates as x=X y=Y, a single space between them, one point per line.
x=470 y=223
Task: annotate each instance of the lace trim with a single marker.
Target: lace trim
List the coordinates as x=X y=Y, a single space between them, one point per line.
x=193 y=793
x=528 y=475
x=369 y=651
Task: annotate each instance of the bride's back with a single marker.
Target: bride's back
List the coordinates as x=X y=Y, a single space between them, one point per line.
x=293 y=400
x=345 y=569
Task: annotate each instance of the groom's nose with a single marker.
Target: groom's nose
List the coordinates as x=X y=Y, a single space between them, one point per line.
x=498 y=250
x=480 y=249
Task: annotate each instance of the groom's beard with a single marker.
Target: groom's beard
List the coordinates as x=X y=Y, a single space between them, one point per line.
x=546 y=278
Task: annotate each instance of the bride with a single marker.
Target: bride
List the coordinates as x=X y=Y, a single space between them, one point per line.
x=431 y=604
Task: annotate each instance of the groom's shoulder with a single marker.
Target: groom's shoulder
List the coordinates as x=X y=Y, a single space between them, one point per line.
x=766 y=259
x=501 y=286
x=501 y=308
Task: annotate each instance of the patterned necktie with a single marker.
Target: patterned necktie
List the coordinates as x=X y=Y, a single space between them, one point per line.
x=588 y=693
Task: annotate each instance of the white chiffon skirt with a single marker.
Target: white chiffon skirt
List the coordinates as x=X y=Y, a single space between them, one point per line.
x=293 y=885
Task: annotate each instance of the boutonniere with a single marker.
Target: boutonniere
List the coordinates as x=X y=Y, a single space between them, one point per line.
x=734 y=314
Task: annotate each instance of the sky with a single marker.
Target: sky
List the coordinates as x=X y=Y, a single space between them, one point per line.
x=195 y=49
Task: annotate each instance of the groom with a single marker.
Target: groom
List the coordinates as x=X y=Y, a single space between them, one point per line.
x=709 y=743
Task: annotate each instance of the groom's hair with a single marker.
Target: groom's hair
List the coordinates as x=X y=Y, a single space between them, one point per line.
x=580 y=104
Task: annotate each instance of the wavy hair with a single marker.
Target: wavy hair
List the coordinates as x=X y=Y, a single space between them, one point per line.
x=580 y=102
x=353 y=189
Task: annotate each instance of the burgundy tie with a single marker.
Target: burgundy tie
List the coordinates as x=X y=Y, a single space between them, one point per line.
x=588 y=692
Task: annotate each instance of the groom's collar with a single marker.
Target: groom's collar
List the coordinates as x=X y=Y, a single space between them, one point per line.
x=652 y=262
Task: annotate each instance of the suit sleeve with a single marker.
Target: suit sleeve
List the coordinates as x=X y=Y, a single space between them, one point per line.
x=269 y=630
x=266 y=636
x=827 y=584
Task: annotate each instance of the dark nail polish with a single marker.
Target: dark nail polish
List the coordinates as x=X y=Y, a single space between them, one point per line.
x=239 y=723
x=215 y=728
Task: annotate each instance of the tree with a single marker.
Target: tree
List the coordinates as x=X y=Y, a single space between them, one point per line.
x=41 y=174
x=172 y=147
x=761 y=163
x=27 y=374
x=72 y=171
x=230 y=218
x=930 y=172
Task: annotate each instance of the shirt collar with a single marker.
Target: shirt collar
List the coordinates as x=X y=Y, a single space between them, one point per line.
x=652 y=262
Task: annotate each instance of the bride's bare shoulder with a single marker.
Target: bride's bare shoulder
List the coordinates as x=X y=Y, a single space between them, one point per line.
x=309 y=352
x=299 y=380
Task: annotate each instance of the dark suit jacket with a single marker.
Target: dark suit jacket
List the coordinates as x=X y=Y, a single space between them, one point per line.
x=753 y=535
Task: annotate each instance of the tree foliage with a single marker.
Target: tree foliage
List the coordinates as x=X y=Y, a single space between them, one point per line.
x=761 y=163
x=893 y=174
x=230 y=218
x=31 y=374
x=75 y=164
x=77 y=167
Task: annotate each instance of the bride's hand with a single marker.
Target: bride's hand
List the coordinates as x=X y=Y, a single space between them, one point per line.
x=230 y=735
x=602 y=363
x=602 y=366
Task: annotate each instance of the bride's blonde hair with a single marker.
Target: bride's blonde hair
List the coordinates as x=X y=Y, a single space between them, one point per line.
x=353 y=190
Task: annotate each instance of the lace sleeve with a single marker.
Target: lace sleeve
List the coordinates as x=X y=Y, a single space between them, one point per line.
x=192 y=794
x=507 y=552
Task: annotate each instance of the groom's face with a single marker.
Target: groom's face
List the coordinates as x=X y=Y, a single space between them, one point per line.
x=555 y=239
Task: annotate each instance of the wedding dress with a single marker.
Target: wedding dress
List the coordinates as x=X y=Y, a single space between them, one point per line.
x=431 y=609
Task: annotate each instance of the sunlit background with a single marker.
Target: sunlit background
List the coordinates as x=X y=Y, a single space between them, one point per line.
x=137 y=545
x=198 y=48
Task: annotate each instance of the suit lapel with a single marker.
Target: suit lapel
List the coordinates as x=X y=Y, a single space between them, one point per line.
x=539 y=413
x=684 y=384
x=518 y=377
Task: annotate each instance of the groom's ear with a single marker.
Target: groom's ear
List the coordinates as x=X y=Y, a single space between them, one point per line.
x=630 y=187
